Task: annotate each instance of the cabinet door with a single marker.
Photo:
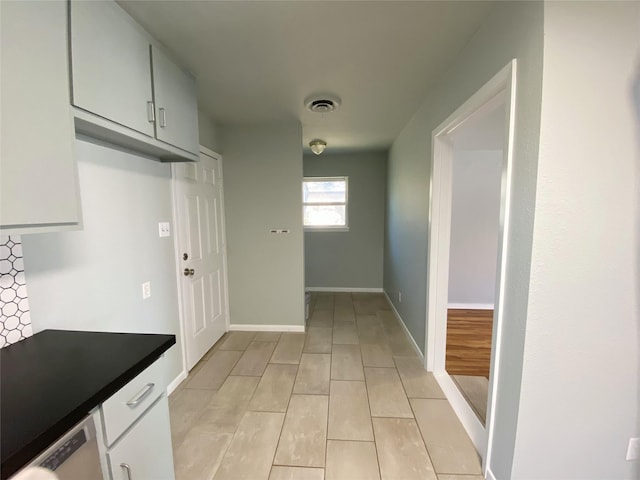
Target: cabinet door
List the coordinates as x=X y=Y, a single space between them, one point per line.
x=145 y=452
x=110 y=65
x=38 y=184
x=176 y=104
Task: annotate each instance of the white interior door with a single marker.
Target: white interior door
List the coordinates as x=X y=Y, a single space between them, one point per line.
x=202 y=251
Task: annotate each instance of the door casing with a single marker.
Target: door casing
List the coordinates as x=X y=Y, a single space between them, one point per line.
x=501 y=88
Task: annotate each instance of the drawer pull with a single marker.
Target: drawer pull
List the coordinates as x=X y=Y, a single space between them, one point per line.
x=142 y=395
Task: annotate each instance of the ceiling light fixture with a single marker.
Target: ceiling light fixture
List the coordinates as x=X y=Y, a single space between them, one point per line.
x=317 y=146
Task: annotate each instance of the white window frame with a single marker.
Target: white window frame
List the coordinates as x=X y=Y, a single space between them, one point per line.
x=328 y=228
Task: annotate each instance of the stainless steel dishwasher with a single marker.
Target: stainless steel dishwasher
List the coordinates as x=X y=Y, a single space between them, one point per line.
x=73 y=456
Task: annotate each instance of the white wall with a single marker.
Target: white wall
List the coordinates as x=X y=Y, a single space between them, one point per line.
x=263 y=190
x=91 y=279
x=512 y=30
x=475 y=227
x=581 y=377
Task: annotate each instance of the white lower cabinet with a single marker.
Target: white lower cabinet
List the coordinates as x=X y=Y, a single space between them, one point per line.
x=145 y=452
x=133 y=429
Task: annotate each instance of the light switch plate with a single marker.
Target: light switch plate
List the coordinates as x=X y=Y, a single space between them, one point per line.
x=164 y=229
x=146 y=290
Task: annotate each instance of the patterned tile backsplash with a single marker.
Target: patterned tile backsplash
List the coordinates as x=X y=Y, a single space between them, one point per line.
x=15 y=320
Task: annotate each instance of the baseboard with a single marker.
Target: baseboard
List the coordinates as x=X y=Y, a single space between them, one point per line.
x=488 y=475
x=406 y=330
x=344 y=289
x=176 y=382
x=471 y=306
x=245 y=327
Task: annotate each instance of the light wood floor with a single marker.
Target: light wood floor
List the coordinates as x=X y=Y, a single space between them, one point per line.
x=347 y=400
x=469 y=342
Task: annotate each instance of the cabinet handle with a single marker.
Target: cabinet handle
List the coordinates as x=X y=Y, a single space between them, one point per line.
x=127 y=469
x=151 y=112
x=142 y=395
x=163 y=117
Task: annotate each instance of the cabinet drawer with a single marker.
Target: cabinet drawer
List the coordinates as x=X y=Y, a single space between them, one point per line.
x=145 y=451
x=131 y=401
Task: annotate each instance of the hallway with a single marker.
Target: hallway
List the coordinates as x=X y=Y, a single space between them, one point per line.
x=348 y=399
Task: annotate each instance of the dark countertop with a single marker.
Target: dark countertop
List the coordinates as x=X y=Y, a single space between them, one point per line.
x=52 y=380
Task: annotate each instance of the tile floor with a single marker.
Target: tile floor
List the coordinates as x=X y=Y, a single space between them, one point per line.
x=476 y=390
x=347 y=400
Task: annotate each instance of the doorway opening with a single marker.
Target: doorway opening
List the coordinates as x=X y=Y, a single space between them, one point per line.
x=468 y=231
x=477 y=147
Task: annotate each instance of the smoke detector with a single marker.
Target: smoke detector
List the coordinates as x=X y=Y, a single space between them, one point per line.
x=322 y=103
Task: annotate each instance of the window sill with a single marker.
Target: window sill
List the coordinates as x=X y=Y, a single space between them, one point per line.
x=326 y=229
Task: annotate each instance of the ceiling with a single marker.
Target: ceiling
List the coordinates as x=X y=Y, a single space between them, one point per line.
x=256 y=61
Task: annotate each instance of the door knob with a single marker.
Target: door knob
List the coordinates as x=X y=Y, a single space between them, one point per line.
x=188 y=272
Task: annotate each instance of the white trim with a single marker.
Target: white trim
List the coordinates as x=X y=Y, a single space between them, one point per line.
x=475 y=429
x=344 y=289
x=211 y=153
x=404 y=327
x=488 y=474
x=471 y=306
x=325 y=228
x=503 y=248
x=176 y=256
x=176 y=382
x=246 y=327
x=500 y=89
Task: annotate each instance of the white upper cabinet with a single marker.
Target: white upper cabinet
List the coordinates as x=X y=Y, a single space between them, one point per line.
x=120 y=95
x=38 y=183
x=176 y=105
x=110 y=64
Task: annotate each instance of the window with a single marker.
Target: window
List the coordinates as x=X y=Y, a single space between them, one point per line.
x=325 y=202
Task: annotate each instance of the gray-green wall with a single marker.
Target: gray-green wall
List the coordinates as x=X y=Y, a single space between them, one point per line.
x=262 y=168
x=208 y=132
x=350 y=259
x=91 y=279
x=512 y=30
